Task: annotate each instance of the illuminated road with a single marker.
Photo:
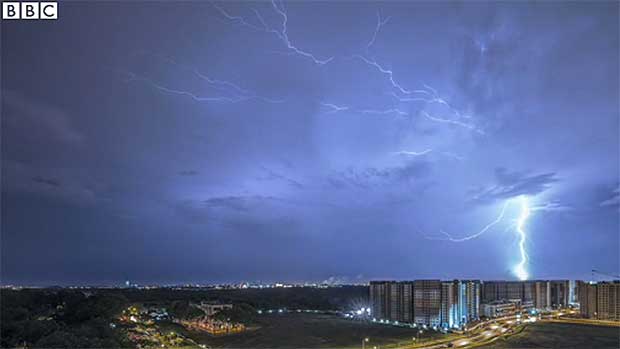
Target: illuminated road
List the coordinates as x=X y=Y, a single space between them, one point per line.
x=492 y=330
x=482 y=333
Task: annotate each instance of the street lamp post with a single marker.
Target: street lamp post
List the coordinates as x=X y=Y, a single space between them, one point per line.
x=364 y=341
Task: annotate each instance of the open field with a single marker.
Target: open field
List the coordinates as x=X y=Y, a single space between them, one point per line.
x=309 y=331
x=557 y=335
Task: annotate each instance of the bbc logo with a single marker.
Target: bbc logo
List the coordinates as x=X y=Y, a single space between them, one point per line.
x=29 y=10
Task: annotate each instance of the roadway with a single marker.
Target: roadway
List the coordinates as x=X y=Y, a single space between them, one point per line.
x=479 y=334
x=491 y=330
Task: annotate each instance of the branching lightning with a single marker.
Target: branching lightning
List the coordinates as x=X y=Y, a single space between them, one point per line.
x=281 y=34
x=389 y=73
x=334 y=108
x=235 y=98
x=499 y=218
x=380 y=23
x=427 y=95
x=195 y=97
x=525 y=211
x=237 y=19
x=453 y=122
x=238 y=93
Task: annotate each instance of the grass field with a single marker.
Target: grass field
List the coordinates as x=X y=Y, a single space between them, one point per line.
x=555 y=335
x=310 y=331
x=329 y=331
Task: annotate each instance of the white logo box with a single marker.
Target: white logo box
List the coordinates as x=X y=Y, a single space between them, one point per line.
x=29 y=10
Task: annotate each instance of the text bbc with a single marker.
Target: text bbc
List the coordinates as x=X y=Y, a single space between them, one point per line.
x=29 y=10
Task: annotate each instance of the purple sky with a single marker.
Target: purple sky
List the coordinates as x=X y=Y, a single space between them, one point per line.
x=209 y=142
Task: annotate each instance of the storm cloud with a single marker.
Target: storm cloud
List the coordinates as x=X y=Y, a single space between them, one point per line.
x=185 y=142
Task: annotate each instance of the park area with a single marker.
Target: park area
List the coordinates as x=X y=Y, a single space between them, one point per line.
x=295 y=330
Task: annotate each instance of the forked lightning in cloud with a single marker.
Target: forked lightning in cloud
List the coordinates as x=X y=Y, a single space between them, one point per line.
x=198 y=98
x=334 y=108
x=238 y=93
x=281 y=34
x=452 y=122
x=430 y=96
x=192 y=95
x=387 y=72
x=499 y=218
x=380 y=24
x=520 y=269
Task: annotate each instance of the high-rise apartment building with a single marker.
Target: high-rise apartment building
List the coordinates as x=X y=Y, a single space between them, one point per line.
x=506 y=290
x=542 y=293
x=426 y=302
x=599 y=300
x=469 y=300
x=379 y=299
x=449 y=304
x=391 y=300
x=559 y=293
x=455 y=303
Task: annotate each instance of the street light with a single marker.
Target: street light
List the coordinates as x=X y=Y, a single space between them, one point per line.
x=364 y=341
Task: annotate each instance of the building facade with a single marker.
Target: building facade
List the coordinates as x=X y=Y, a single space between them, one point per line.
x=542 y=291
x=543 y=294
x=599 y=300
x=455 y=303
x=559 y=293
x=426 y=302
x=498 y=309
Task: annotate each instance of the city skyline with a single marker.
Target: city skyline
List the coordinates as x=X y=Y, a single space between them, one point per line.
x=305 y=141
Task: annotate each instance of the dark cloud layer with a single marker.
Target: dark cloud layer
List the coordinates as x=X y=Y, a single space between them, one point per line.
x=512 y=184
x=167 y=142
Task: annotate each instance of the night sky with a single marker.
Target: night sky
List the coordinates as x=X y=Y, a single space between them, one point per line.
x=221 y=142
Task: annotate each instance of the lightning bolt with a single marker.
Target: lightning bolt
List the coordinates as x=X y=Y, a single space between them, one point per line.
x=413 y=153
x=168 y=90
x=281 y=34
x=520 y=270
x=380 y=23
x=499 y=218
x=388 y=72
x=334 y=108
x=237 y=19
x=384 y=112
x=428 y=96
x=452 y=122
x=227 y=87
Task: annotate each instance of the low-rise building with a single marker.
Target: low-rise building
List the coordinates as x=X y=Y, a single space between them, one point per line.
x=211 y=308
x=498 y=309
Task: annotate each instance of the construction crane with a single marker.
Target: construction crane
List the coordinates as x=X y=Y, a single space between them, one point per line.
x=594 y=271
